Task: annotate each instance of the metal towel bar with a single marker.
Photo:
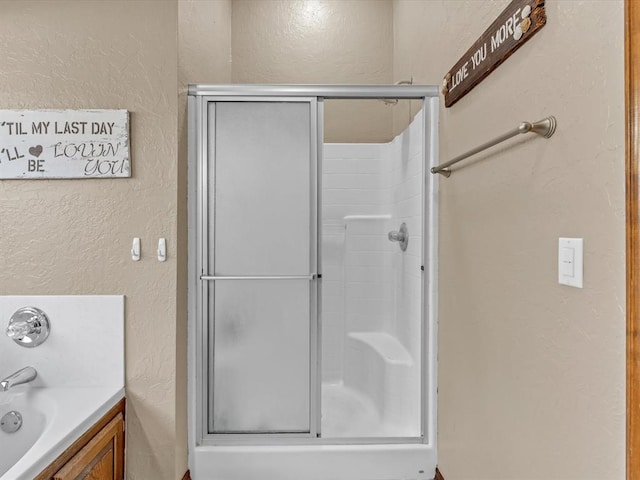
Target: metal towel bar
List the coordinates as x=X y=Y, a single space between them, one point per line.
x=545 y=128
x=258 y=277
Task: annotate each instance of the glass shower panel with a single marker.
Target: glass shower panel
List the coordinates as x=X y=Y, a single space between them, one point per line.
x=262 y=185
x=372 y=290
x=260 y=236
x=261 y=345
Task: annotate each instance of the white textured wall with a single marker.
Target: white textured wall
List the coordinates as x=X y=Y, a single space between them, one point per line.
x=531 y=373
x=204 y=56
x=74 y=236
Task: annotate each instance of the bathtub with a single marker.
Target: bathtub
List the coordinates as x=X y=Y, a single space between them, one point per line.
x=53 y=418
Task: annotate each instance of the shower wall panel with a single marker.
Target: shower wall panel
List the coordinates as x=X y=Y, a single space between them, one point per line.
x=353 y=183
x=369 y=284
x=406 y=180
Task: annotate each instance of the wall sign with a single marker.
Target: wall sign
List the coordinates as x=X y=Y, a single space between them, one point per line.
x=514 y=26
x=64 y=144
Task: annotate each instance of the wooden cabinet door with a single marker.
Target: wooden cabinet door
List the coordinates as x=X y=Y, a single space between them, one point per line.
x=100 y=459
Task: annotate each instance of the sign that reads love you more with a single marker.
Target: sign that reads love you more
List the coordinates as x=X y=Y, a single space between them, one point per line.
x=64 y=144
x=513 y=27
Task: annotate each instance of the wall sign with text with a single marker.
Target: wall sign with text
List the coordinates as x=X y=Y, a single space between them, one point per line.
x=64 y=144
x=514 y=26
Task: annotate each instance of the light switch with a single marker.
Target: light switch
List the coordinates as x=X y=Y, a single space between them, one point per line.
x=570 y=254
x=567 y=260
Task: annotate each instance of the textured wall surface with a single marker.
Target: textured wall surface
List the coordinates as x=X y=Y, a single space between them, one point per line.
x=531 y=373
x=321 y=41
x=74 y=236
x=204 y=56
x=204 y=41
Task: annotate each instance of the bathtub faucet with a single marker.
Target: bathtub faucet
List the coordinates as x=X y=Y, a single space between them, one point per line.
x=24 y=375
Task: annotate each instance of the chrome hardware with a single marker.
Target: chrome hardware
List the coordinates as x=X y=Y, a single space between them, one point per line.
x=258 y=277
x=11 y=422
x=401 y=236
x=24 y=375
x=545 y=128
x=29 y=327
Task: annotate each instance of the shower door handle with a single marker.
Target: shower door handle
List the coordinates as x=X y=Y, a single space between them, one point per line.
x=313 y=276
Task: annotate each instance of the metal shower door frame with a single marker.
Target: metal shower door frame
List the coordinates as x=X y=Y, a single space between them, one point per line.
x=207 y=280
x=199 y=335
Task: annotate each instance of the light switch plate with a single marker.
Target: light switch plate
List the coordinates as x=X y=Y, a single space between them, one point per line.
x=570 y=255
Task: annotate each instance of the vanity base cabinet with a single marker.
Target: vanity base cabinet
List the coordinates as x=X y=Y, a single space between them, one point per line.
x=97 y=455
x=100 y=459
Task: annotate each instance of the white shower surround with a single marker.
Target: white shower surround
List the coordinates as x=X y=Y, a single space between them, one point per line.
x=352 y=459
x=371 y=317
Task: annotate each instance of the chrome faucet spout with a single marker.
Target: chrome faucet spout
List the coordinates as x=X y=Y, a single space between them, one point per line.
x=24 y=375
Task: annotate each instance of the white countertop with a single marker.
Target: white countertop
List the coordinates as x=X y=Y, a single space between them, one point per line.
x=69 y=412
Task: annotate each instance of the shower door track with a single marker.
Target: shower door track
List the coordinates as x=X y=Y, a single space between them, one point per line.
x=266 y=439
x=199 y=96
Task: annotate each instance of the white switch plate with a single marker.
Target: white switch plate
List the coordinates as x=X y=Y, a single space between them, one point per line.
x=570 y=254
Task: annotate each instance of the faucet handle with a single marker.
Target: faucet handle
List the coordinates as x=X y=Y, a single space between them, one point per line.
x=401 y=236
x=19 y=329
x=29 y=327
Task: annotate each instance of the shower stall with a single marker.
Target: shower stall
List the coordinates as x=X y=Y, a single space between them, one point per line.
x=312 y=289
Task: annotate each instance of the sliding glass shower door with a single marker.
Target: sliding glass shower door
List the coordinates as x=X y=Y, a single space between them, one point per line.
x=260 y=224
x=312 y=330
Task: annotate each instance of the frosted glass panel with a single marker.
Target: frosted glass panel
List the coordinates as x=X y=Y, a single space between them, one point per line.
x=261 y=357
x=262 y=188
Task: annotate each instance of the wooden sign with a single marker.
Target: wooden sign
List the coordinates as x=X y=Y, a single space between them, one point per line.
x=515 y=25
x=64 y=144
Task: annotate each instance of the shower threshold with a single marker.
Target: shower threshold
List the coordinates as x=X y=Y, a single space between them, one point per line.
x=315 y=462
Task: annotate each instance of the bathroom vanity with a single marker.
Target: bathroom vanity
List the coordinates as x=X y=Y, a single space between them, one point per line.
x=97 y=455
x=62 y=404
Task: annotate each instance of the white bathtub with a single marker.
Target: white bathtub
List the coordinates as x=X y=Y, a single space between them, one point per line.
x=53 y=418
